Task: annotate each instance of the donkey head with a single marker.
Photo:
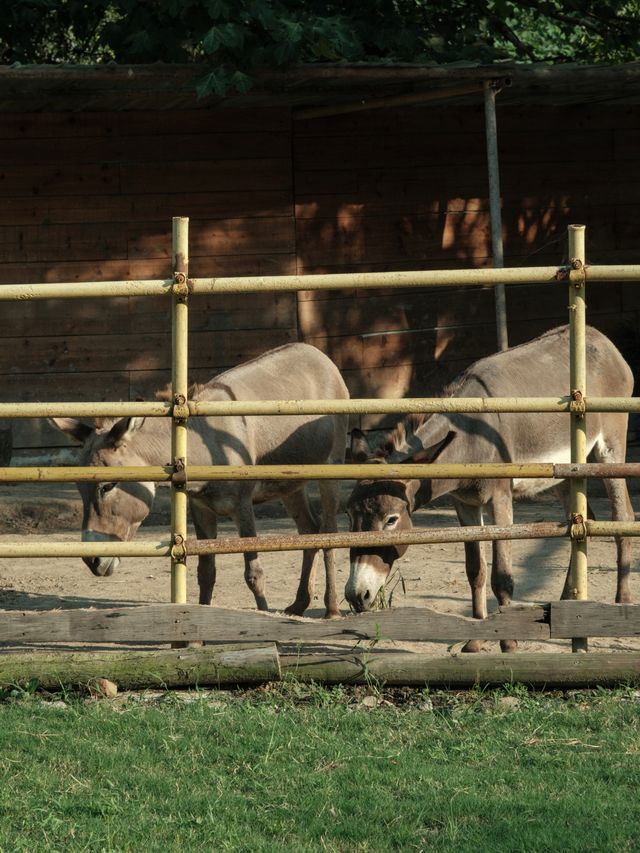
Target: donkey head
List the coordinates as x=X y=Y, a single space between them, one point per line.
x=112 y=511
x=382 y=505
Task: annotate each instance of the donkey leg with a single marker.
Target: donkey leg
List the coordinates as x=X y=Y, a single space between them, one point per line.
x=613 y=449
x=205 y=522
x=501 y=574
x=253 y=571
x=330 y=497
x=563 y=492
x=476 y=568
x=298 y=507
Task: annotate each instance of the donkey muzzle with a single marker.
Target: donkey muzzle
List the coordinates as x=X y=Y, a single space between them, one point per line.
x=369 y=571
x=100 y=566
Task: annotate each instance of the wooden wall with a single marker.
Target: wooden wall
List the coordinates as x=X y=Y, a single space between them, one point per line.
x=408 y=188
x=90 y=196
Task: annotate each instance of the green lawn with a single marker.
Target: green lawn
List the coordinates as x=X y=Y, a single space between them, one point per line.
x=300 y=768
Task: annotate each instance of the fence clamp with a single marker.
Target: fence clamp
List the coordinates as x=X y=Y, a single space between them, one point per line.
x=578 y=527
x=180 y=410
x=179 y=475
x=180 y=286
x=179 y=548
x=578 y=404
x=577 y=273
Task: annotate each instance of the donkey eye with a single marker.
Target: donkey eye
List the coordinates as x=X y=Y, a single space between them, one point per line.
x=392 y=521
x=107 y=487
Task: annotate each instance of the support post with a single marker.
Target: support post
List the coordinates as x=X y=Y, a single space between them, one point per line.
x=491 y=89
x=179 y=384
x=578 y=391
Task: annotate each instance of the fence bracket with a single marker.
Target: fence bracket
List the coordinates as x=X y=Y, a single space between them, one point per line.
x=578 y=530
x=578 y=403
x=180 y=287
x=577 y=273
x=179 y=475
x=180 y=410
x=178 y=549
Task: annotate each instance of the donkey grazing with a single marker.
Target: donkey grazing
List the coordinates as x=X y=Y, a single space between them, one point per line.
x=114 y=511
x=537 y=368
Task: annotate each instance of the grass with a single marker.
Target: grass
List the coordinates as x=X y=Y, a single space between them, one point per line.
x=304 y=769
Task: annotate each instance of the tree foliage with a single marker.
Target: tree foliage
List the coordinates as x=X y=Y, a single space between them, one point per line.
x=238 y=37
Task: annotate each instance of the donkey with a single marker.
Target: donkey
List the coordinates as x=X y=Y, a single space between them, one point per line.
x=537 y=368
x=114 y=511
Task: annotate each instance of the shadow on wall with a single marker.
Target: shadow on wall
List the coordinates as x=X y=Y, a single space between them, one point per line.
x=412 y=342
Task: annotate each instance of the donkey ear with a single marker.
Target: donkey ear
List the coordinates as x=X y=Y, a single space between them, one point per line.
x=123 y=430
x=361 y=450
x=430 y=454
x=73 y=427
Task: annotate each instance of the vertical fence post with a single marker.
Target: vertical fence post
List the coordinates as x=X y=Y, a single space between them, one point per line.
x=578 y=390
x=180 y=412
x=495 y=207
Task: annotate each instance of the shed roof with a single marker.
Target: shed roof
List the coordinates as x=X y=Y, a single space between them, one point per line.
x=27 y=88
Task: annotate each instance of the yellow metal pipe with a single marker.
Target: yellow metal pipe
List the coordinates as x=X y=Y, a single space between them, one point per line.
x=87 y=474
x=404 y=278
x=614 y=272
x=179 y=384
x=198 y=408
x=328 y=281
x=147 y=409
x=578 y=425
x=84 y=549
x=84 y=289
x=405 y=405
x=405 y=471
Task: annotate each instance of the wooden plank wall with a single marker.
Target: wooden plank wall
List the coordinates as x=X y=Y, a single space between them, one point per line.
x=408 y=189
x=90 y=196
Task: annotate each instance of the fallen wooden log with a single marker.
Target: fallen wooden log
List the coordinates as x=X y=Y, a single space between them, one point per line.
x=164 y=668
x=536 y=669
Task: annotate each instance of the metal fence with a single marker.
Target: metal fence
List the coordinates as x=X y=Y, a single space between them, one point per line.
x=180 y=289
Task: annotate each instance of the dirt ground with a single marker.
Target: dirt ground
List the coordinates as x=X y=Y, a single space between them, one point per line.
x=432 y=575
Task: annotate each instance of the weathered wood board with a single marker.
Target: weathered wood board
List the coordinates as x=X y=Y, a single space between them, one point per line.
x=177 y=622
x=594 y=619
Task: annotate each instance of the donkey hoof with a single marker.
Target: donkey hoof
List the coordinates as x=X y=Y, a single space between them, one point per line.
x=509 y=645
x=332 y=614
x=296 y=609
x=473 y=646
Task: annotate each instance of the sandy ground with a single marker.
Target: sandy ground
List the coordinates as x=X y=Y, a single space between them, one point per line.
x=432 y=575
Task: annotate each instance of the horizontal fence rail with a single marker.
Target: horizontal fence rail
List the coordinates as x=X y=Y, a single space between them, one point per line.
x=329 y=281
x=372 y=405
x=363 y=471
x=297 y=542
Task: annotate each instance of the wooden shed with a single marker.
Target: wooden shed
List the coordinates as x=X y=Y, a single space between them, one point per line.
x=95 y=161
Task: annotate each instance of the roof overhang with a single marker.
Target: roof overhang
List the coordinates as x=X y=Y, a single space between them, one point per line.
x=37 y=88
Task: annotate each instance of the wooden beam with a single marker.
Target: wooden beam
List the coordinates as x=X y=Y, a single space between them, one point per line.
x=542 y=669
x=162 y=668
x=402 y=100
x=184 y=622
x=594 y=619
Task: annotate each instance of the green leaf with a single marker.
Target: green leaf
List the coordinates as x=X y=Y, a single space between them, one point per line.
x=218 y=9
x=211 y=41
